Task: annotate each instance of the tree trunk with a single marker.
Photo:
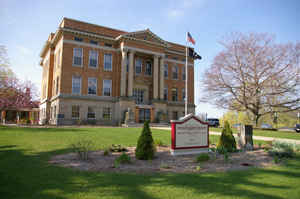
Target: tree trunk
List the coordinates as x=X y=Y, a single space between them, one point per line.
x=256 y=120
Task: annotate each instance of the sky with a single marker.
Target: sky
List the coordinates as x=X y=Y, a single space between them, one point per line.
x=25 y=26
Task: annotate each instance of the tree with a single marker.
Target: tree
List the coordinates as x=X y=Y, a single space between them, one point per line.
x=254 y=74
x=227 y=140
x=14 y=93
x=145 y=147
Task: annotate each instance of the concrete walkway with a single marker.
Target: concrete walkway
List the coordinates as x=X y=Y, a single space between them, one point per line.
x=254 y=137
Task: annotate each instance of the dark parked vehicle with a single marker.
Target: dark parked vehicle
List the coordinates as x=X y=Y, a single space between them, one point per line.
x=214 y=122
x=297 y=128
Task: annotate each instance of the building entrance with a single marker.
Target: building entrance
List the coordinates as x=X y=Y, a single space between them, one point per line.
x=144 y=115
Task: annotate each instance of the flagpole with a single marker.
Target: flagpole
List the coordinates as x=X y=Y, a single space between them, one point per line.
x=186 y=74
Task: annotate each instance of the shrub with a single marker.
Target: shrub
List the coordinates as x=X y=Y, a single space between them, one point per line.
x=282 y=149
x=122 y=159
x=82 y=148
x=202 y=157
x=227 y=140
x=106 y=152
x=145 y=147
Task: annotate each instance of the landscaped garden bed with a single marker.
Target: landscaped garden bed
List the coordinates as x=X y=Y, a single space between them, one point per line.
x=164 y=162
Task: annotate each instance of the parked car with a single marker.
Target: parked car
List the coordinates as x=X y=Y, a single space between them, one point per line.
x=238 y=125
x=297 y=128
x=214 y=122
x=266 y=126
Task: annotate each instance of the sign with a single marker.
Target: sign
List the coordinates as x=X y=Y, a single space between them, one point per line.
x=189 y=135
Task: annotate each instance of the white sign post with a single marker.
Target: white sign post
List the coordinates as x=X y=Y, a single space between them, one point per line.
x=189 y=136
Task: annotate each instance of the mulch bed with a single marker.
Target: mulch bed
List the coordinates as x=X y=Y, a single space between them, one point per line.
x=165 y=162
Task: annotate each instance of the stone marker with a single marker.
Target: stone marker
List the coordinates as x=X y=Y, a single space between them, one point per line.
x=189 y=136
x=245 y=137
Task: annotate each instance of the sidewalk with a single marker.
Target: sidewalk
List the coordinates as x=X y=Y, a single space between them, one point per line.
x=254 y=137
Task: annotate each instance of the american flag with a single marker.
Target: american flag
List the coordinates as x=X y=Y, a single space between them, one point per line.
x=190 y=38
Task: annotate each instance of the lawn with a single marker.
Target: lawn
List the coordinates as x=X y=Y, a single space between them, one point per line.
x=25 y=173
x=267 y=133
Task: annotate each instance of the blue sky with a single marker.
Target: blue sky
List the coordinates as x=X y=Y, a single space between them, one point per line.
x=25 y=26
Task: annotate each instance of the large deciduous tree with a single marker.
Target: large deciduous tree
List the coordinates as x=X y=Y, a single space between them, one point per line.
x=254 y=74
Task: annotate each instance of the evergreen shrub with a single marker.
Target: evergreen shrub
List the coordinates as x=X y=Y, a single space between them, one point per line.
x=227 y=140
x=145 y=146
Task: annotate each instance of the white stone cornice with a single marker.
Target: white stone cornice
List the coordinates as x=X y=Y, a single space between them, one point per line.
x=90 y=45
x=176 y=52
x=178 y=62
x=87 y=34
x=143 y=51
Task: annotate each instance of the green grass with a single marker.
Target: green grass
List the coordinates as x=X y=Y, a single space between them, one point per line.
x=25 y=172
x=266 y=133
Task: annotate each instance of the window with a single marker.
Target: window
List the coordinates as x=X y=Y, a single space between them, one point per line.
x=174 y=94
x=92 y=86
x=183 y=94
x=108 y=62
x=106 y=114
x=76 y=85
x=93 y=42
x=166 y=71
x=75 y=112
x=91 y=113
x=183 y=73
x=175 y=72
x=138 y=95
x=78 y=39
x=138 y=66
x=93 y=58
x=107 y=87
x=148 y=68
x=108 y=45
x=77 y=56
x=57 y=80
x=166 y=93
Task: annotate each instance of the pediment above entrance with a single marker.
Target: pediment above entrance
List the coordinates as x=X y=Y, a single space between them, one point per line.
x=144 y=35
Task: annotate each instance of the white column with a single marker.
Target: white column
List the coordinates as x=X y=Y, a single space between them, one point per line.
x=155 y=77
x=131 y=71
x=123 y=72
x=162 y=78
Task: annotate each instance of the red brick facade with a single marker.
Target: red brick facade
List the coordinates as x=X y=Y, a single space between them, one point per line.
x=59 y=104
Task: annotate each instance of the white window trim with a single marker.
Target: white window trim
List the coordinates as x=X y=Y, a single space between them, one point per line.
x=72 y=112
x=96 y=59
x=135 y=66
x=183 y=72
x=87 y=113
x=110 y=113
x=96 y=85
x=80 y=85
x=110 y=88
x=104 y=61
x=148 y=61
x=73 y=64
x=167 y=71
x=175 y=66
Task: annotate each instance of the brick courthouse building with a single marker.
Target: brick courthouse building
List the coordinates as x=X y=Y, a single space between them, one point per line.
x=94 y=74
